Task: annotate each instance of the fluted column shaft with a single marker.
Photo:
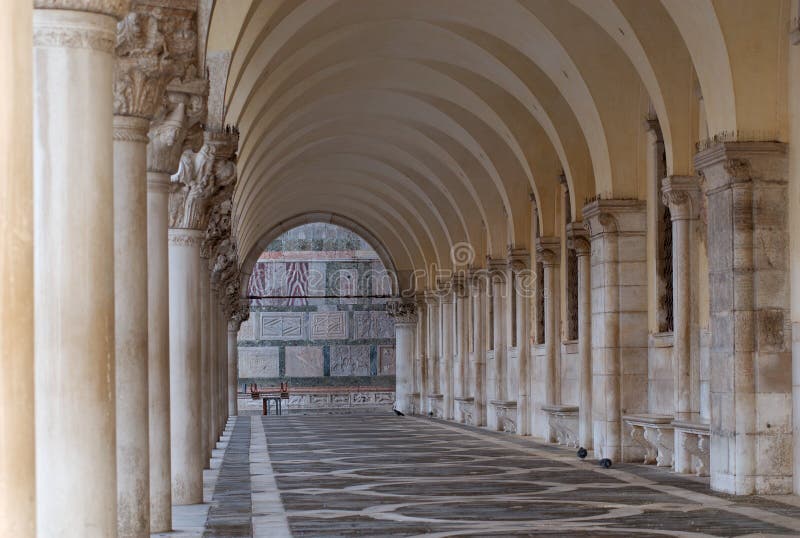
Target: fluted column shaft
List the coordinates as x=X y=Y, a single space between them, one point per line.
x=158 y=351
x=76 y=487
x=130 y=289
x=17 y=449
x=184 y=331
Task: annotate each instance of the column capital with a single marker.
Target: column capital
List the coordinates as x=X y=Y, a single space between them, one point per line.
x=682 y=195
x=615 y=216
x=549 y=250
x=114 y=8
x=403 y=312
x=131 y=129
x=154 y=46
x=724 y=164
x=518 y=259
x=432 y=297
x=578 y=239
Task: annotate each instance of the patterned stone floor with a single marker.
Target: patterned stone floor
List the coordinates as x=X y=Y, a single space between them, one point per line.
x=374 y=475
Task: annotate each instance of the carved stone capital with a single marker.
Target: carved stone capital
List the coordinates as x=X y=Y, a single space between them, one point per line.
x=578 y=239
x=518 y=259
x=613 y=216
x=549 y=250
x=682 y=195
x=402 y=312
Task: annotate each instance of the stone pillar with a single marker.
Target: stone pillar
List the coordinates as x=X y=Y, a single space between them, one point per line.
x=76 y=486
x=498 y=271
x=205 y=356
x=222 y=365
x=522 y=287
x=579 y=241
x=446 y=372
x=213 y=356
x=548 y=250
x=130 y=289
x=681 y=195
x=17 y=448
x=751 y=432
x=460 y=385
x=793 y=197
x=619 y=322
x=421 y=373
x=184 y=331
x=432 y=302
x=405 y=322
x=479 y=304
x=233 y=364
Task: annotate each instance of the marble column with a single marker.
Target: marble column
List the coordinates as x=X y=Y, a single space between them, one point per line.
x=205 y=356
x=184 y=331
x=163 y=154
x=131 y=349
x=617 y=230
x=522 y=287
x=461 y=348
x=446 y=370
x=76 y=486
x=498 y=270
x=681 y=195
x=793 y=210
x=213 y=411
x=17 y=448
x=751 y=430
x=479 y=284
x=548 y=250
x=405 y=322
x=432 y=302
x=233 y=364
x=422 y=373
x=222 y=367
x=579 y=241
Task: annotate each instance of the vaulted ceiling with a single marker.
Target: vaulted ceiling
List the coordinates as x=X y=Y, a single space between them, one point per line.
x=427 y=123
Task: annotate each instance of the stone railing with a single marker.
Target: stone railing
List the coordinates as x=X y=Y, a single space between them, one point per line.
x=691 y=447
x=506 y=413
x=654 y=433
x=563 y=422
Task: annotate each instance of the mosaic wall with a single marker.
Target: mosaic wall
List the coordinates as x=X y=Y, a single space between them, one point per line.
x=309 y=325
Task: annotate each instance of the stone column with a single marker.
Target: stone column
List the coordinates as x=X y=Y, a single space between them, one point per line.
x=421 y=366
x=619 y=322
x=479 y=304
x=205 y=355
x=17 y=447
x=579 y=241
x=405 y=322
x=213 y=411
x=793 y=210
x=751 y=432
x=432 y=302
x=497 y=370
x=548 y=250
x=76 y=486
x=184 y=321
x=163 y=153
x=460 y=385
x=222 y=365
x=522 y=286
x=233 y=366
x=446 y=372
x=681 y=195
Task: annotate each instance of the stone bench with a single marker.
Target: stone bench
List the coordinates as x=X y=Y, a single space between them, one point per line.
x=692 y=441
x=465 y=409
x=654 y=433
x=563 y=423
x=436 y=403
x=506 y=413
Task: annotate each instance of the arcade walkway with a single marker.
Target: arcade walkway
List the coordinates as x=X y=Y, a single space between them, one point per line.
x=379 y=475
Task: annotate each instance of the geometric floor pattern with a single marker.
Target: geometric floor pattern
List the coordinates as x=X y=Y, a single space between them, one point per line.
x=375 y=475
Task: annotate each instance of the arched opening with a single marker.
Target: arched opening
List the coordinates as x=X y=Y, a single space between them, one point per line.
x=318 y=322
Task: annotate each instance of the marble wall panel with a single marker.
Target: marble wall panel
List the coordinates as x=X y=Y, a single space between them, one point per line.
x=256 y=362
x=328 y=325
x=386 y=358
x=350 y=360
x=283 y=325
x=304 y=361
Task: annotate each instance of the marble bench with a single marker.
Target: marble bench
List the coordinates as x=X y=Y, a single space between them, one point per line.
x=654 y=433
x=563 y=423
x=692 y=441
x=465 y=409
x=436 y=405
x=506 y=413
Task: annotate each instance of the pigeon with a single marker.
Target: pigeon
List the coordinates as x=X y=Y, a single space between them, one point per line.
x=398 y=413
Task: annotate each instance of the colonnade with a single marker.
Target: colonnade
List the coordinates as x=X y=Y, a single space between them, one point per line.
x=124 y=224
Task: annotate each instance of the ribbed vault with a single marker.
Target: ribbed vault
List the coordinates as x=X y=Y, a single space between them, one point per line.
x=436 y=123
